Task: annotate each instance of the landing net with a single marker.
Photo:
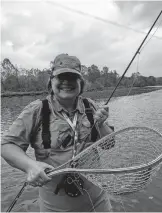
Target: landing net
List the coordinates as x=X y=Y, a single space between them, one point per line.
x=129 y=157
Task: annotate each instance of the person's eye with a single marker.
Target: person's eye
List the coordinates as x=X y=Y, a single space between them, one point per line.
x=60 y=78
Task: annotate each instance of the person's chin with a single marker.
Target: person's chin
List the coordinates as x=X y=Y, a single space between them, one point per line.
x=68 y=94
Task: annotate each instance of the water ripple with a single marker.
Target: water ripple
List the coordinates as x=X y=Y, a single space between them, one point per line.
x=142 y=110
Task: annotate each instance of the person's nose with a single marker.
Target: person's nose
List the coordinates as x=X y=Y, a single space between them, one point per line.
x=67 y=80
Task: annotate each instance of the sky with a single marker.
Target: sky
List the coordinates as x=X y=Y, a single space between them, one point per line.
x=100 y=32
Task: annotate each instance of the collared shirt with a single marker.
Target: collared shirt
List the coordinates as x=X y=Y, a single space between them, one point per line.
x=28 y=124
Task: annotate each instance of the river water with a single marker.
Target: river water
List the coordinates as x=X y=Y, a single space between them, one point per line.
x=139 y=110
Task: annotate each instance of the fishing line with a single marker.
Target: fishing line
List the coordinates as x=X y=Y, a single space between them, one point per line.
x=151 y=36
x=25 y=184
x=137 y=52
x=137 y=69
x=89 y=199
x=135 y=77
x=122 y=203
x=95 y=17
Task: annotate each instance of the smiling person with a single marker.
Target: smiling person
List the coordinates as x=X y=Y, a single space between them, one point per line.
x=49 y=127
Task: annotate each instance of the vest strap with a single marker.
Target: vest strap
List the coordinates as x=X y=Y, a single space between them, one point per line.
x=46 y=135
x=88 y=111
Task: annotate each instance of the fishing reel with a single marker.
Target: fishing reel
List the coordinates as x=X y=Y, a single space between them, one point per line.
x=72 y=184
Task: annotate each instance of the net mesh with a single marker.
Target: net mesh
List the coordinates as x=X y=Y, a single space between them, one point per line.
x=131 y=147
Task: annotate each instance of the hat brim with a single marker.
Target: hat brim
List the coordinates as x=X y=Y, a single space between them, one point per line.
x=66 y=70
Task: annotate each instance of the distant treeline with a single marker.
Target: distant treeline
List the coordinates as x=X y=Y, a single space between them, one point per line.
x=25 y=80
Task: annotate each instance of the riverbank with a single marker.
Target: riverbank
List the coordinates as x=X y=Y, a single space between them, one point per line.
x=105 y=94
x=95 y=94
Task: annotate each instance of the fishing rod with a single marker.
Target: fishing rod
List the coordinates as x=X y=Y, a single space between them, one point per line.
x=25 y=184
x=138 y=51
x=17 y=197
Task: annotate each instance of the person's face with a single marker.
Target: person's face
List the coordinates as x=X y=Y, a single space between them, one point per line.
x=66 y=86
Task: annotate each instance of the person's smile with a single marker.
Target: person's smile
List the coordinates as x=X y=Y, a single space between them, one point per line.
x=67 y=88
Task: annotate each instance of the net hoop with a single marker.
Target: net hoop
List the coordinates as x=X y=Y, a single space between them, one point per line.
x=153 y=163
x=122 y=162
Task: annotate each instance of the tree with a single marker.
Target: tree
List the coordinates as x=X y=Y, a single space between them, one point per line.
x=151 y=81
x=105 y=71
x=104 y=78
x=159 y=81
x=10 y=69
x=11 y=83
x=21 y=79
x=84 y=70
x=42 y=79
x=142 y=81
x=93 y=73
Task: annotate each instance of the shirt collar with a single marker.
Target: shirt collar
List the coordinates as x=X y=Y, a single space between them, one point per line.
x=58 y=107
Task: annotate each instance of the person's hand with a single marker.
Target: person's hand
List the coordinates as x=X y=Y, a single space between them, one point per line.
x=101 y=115
x=36 y=175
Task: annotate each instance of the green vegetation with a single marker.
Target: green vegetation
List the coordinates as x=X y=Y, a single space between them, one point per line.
x=34 y=81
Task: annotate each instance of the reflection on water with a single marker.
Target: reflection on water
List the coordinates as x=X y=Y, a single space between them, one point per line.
x=141 y=110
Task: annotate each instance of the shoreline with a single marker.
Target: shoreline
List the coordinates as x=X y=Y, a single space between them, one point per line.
x=96 y=94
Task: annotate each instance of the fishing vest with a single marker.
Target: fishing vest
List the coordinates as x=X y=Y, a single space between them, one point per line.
x=75 y=188
x=46 y=135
